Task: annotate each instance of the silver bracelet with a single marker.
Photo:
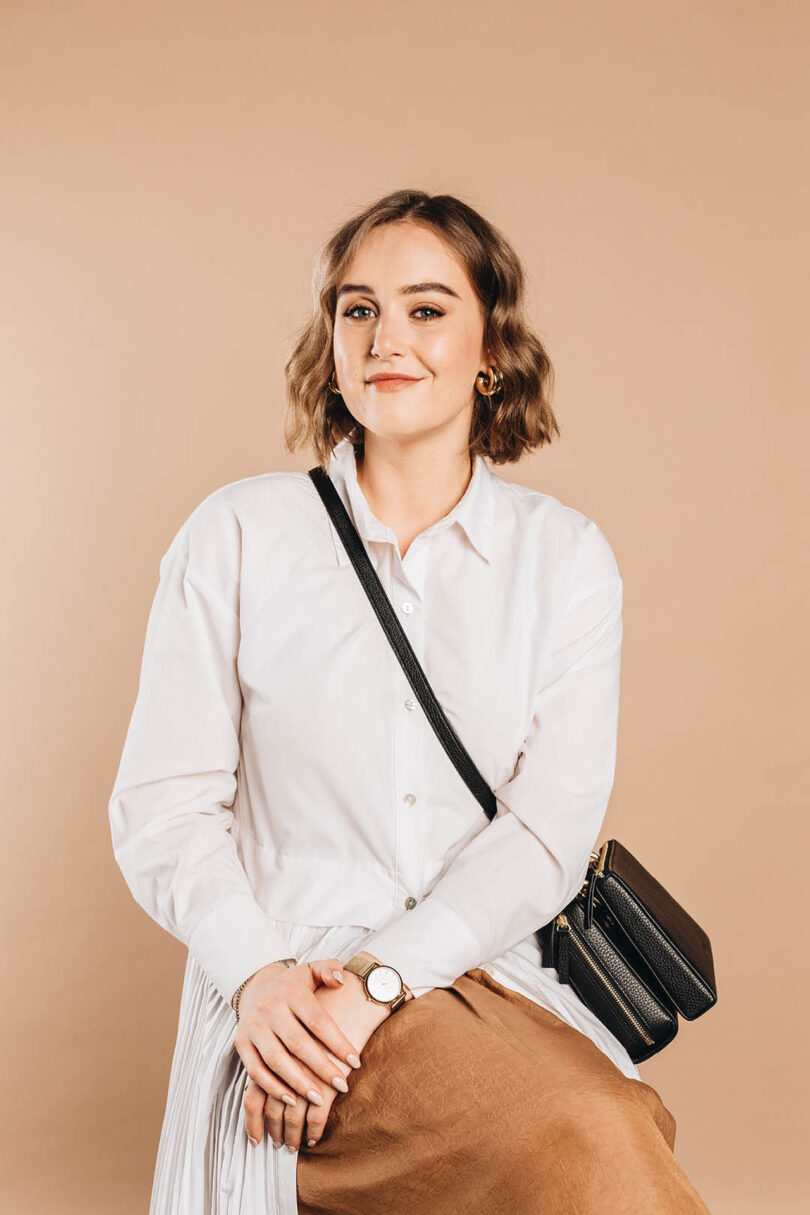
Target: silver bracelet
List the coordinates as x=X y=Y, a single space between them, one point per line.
x=235 y=997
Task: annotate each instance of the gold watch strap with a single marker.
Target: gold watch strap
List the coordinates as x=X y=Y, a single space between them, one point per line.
x=359 y=965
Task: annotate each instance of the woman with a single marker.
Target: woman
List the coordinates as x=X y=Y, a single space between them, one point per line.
x=366 y=1024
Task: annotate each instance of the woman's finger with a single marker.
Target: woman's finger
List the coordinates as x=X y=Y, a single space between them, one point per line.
x=274 y=1120
x=297 y=1127
x=305 y=1132
x=306 y=1049
x=317 y=1116
x=324 y=1032
x=328 y=971
x=294 y=1124
x=253 y=1103
x=288 y=1049
x=275 y=1071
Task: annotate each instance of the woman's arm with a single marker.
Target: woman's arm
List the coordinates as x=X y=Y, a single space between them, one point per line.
x=171 y=807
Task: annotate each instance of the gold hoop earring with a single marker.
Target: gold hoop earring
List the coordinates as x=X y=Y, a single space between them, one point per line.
x=332 y=386
x=492 y=382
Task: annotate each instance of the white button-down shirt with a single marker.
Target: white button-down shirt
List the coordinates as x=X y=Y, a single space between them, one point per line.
x=277 y=765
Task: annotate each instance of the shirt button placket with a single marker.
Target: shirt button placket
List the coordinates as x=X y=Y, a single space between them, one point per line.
x=410 y=764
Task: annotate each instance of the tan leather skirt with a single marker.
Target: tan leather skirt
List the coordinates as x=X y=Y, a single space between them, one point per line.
x=474 y=1099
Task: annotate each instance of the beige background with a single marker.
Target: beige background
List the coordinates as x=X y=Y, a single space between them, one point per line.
x=169 y=170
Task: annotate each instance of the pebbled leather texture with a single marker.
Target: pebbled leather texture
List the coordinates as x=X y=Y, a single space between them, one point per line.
x=675 y=945
x=628 y=970
x=634 y=946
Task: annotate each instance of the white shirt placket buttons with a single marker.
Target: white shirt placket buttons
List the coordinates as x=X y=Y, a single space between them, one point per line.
x=408 y=766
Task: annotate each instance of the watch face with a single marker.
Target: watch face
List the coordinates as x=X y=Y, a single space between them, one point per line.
x=384 y=983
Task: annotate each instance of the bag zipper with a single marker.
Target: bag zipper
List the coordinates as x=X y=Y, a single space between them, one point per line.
x=564 y=926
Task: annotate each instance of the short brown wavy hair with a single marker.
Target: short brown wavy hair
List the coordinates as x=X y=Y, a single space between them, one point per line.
x=504 y=426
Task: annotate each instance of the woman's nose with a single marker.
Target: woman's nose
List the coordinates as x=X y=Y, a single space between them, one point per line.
x=388 y=338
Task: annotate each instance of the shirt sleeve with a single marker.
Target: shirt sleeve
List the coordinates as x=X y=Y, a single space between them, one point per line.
x=171 y=805
x=530 y=861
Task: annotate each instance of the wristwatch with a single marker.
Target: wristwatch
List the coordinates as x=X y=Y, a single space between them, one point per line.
x=383 y=984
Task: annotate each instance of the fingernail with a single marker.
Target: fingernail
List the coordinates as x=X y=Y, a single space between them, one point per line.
x=253 y=1141
x=290 y=1147
x=311 y=1142
x=277 y=1143
x=288 y=1100
x=354 y=1060
x=339 y=1083
x=315 y=1097
x=337 y=975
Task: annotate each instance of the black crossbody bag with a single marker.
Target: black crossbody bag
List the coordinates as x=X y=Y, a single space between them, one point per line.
x=631 y=953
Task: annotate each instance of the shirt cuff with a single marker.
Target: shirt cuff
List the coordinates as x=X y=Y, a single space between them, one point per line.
x=234 y=940
x=409 y=945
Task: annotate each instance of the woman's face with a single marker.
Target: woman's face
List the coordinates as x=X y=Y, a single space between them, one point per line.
x=405 y=307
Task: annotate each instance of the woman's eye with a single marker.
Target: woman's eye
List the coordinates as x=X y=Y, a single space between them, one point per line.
x=353 y=311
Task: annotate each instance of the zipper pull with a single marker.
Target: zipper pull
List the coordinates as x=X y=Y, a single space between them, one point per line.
x=596 y=871
x=562 y=947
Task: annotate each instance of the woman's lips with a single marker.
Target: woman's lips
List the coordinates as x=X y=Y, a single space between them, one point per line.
x=393 y=385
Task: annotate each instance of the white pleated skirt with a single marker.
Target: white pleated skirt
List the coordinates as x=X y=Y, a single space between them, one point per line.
x=205 y=1164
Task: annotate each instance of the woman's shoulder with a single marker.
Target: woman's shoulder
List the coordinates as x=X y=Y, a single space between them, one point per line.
x=555 y=528
x=211 y=536
x=248 y=500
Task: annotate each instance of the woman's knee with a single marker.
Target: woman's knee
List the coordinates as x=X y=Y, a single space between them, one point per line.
x=602 y=1122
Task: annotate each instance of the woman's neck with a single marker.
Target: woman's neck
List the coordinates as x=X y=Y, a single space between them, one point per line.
x=409 y=499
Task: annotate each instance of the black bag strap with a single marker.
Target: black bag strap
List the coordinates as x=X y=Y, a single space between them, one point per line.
x=399 y=641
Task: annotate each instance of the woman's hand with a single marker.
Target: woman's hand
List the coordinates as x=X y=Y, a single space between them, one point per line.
x=304 y=1121
x=290 y=1044
x=289 y=1126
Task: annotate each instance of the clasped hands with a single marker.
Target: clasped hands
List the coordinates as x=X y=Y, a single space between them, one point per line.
x=300 y=1034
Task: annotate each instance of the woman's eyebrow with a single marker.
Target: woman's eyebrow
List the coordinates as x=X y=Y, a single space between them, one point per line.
x=413 y=289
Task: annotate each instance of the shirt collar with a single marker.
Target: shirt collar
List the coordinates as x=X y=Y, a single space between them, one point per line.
x=473 y=512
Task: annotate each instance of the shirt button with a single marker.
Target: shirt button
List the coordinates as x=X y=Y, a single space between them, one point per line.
x=409 y=799
x=488 y=969
x=410 y=903
x=407 y=608
x=410 y=704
